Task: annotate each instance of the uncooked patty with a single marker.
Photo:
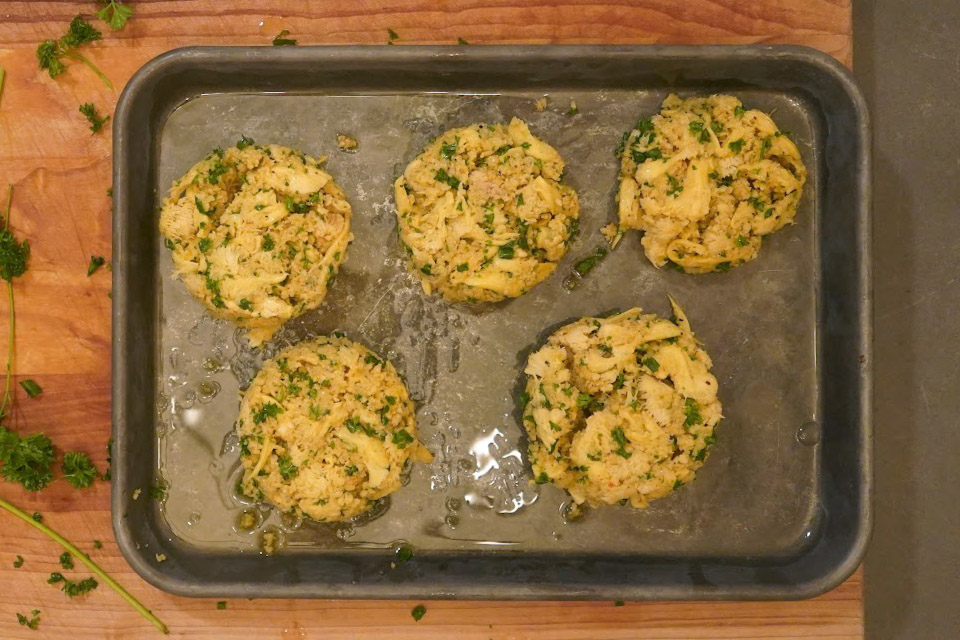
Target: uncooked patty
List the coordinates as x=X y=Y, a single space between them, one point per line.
x=620 y=408
x=705 y=180
x=325 y=430
x=483 y=213
x=257 y=234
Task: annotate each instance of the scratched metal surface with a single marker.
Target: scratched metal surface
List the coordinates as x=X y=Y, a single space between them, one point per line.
x=757 y=494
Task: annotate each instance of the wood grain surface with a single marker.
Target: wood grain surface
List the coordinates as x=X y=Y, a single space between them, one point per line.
x=61 y=173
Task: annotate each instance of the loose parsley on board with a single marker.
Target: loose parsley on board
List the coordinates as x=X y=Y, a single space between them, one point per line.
x=50 y=52
x=115 y=14
x=281 y=39
x=78 y=470
x=93 y=116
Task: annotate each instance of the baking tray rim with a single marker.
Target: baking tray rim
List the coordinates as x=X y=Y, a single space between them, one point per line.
x=818 y=60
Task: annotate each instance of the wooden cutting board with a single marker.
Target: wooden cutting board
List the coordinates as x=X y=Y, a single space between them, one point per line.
x=61 y=173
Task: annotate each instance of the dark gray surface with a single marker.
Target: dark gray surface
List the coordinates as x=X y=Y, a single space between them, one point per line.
x=907 y=58
x=823 y=282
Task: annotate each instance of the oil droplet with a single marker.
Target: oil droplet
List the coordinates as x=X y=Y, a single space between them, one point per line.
x=343 y=533
x=248 y=520
x=231 y=443
x=452 y=520
x=216 y=466
x=809 y=434
x=212 y=365
x=208 y=390
x=290 y=521
x=453 y=504
x=571 y=282
x=271 y=540
x=571 y=512
x=193 y=518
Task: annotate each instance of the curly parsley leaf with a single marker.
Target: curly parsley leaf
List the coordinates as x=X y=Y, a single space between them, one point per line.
x=26 y=460
x=78 y=470
x=115 y=14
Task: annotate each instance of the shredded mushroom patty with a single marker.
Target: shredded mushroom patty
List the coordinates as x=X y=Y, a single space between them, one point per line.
x=705 y=180
x=325 y=430
x=257 y=234
x=620 y=408
x=483 y=213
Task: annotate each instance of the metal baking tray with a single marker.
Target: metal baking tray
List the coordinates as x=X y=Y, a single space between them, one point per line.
x=780 y=510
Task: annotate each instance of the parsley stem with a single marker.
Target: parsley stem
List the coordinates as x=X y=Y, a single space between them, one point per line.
x=84 y=60
x=82 y=557
x=13 y=318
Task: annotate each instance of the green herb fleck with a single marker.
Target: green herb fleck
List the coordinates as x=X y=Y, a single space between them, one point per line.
x=651 y=363
x=642 y=156
x=442 y=176
x=281 y=39
x=448 y=150
x=737 y=145
x=31 y=387
x=66 y=560
x=268 y=410
x=287 y=469
x=32 y=622
x=18 y=562
x=93 y=116
x=587 y=265
x=95 y=263
x=418 y=612
x=404 y=553
x=675 y=187
x=221 y=605
x=621 y=440
x=402 y=438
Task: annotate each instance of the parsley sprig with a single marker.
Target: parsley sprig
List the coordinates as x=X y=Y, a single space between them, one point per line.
x=85 y=559
x=50 y=52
